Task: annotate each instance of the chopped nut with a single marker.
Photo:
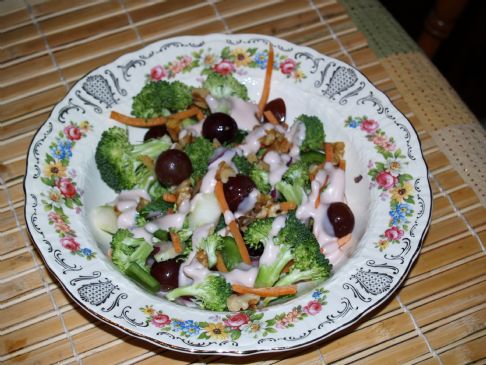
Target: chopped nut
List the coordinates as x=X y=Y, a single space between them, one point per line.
x=338 y=152
x=252 y=158
x=202 y=257
x=237 y=303
x=225 y=171
x=147 y=161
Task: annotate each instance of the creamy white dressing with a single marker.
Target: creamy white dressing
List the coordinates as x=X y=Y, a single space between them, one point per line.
x=126 y=203
x=271 y=251
x=296 y=136
x=209 y=180
x=334 y=192
x=183 y=279
x=174 y=220
x=196 y=271
x=243 y=112
x=201 y=233
x=127 y=218
x=228 y=217
x=244 y=277
x=335 y=189
x=251 y=144
x=247 y=204
x=140 y=232
x=277 y=164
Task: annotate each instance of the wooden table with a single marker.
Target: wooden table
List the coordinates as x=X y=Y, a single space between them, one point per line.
x=439 y=316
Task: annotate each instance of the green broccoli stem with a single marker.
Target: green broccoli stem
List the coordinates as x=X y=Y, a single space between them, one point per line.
x=185 y=291
x=294 y=277
x=153 y=147
x=140 y=276
x=269 y=274
x=141 y=253
x=312 y=157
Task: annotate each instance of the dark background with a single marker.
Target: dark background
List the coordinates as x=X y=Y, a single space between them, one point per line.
x=461 y=57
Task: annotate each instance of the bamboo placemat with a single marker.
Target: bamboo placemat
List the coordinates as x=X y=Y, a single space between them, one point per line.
x=439 y=315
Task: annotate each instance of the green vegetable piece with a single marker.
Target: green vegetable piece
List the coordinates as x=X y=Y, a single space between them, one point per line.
x=231 y=254
x=260 y=178
x=199 y=151
x=211 y=293
x=314 y=132
x=162 y=235
x=220 y=86
x=120 y=163
x=159 y=98
x=129 y=255
x=312 y=157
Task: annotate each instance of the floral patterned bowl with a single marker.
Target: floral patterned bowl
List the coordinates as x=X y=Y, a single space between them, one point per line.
x=386 y=186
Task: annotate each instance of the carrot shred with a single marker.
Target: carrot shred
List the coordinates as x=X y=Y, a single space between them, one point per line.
x=329 y=152
x=343 y=240
x=275 y=291
x=152 y=122
x=220 y=265
x=286 y=206
x=266 y=83
x=199 y=114
x=271 y=117
x=169 y=198
x=318 y=199
x=233 y=226
x=176 y=242
x=342 y=164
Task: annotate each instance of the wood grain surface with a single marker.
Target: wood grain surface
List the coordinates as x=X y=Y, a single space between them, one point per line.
x=437 y=317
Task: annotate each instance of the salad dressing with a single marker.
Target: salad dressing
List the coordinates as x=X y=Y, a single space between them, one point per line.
x=334 y=192
x=247 y=204
x=277 y=164
x=241 y=276
x=126 y=203
x=296 y=135
x=209 y=180
x=271 y=251
x=251 y=144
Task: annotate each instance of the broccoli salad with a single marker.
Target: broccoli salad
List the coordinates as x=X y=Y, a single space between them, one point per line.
x=223 y=206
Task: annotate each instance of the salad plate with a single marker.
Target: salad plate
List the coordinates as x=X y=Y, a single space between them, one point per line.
x=386 y=187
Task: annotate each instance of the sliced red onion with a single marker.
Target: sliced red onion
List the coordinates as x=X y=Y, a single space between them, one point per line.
x=217 y=154
x=274 y=194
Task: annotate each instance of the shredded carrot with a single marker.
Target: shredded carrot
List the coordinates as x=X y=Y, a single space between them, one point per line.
x=271 y=117
x=286 y=206
x=199 y=114
x=152 y=122
x=287 y=267
x=342 y=164
x=318 y=199
x=220 y=265
x=329 y=152
x=343 y=240
x=233 y=226
x=266 y=84
x=275 y=291
x=169 y=198
x=176 y=242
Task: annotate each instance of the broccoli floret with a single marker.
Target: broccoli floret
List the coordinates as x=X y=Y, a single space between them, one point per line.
x=129 y=255
x=309 y=265
x=258 y=232
x=159 y=98
x=225 y=86
x=294 y=182
x=212 y=292
x=121 y=164
x=231 y=254
x=242 y=164
x=314 y=133
x=260 y=178
x=293 y=241
x=200 y=152
x=210 y=245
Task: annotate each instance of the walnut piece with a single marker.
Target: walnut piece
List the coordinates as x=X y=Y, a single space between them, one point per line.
x=237 y=303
